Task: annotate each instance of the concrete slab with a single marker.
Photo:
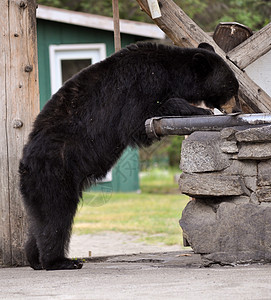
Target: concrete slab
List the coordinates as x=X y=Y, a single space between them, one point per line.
x=173 y=275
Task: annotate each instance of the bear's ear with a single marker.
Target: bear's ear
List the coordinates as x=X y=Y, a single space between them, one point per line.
x=206 y=46
x=201 y=64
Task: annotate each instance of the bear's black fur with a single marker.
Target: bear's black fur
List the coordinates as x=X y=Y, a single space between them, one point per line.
x=84 y=128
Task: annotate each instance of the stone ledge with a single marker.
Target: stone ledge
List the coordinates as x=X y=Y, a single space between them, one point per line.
x=232 y=224
x=264 y=194
x=211 y=184
x=264 y=173
x=228 y=134
x=242 y=168
x=258 y=151
x=227 y=232
x=261 y=134
x=201 y=152
x=229 y=147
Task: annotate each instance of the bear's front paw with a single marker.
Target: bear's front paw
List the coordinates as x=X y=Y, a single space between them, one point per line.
x=209 y=112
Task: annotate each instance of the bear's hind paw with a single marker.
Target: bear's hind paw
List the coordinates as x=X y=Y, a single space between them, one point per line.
x=36 y=266
x=64 y=264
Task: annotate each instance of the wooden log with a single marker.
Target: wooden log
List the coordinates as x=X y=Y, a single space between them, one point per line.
x=185 y=32
x=18 y=107
x=252 y=48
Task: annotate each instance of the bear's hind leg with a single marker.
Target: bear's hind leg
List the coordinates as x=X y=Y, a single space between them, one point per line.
x=32 y=253
x=53 y=243
x=54 y=236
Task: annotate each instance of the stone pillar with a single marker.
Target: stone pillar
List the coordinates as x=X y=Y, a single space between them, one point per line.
x=228 y=173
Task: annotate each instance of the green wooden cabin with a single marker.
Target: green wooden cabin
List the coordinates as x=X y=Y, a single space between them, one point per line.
x=69 y=41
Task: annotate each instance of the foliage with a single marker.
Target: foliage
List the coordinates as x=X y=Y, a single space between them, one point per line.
x=166 y=152
x=174 y=150
x=254 y=14
x=154 y=155
x=206 y=13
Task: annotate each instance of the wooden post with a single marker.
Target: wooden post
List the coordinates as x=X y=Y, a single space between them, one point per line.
x=116 y=18
x=18 y=107
x=186 y=33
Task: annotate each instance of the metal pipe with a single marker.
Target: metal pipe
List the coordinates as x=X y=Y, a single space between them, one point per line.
x=161 y=126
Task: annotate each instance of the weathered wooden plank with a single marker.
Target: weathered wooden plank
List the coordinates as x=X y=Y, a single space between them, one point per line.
x=20 y=106
x=252 y=48
x=5 y=248
x=186 y=33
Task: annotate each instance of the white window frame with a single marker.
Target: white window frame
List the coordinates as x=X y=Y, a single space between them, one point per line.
x=57 y=53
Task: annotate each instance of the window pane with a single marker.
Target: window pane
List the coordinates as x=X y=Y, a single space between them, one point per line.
x=70 y=67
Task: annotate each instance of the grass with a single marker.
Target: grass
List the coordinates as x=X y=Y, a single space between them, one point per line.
x=154 y=216
x=159 y=181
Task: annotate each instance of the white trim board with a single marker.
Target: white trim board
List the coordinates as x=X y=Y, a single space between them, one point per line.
x=95 y=52
x=98 y=22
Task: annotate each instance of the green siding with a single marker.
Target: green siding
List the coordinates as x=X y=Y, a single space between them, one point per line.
x=125 y=173
x=54 y=33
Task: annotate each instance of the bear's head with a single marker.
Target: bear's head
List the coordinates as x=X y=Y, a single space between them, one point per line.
x=217 y=82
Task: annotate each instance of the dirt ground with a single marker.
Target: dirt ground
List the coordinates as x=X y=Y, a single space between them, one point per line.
x=113 y=243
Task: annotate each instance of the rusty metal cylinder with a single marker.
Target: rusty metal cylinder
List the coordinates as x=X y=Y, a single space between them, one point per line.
x=158 y=127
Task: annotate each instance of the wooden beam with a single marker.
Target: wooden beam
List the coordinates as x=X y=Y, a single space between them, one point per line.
x=116 y=19
x=185 y=32
x=18 y=107
x=252 y=48
x=98 y=22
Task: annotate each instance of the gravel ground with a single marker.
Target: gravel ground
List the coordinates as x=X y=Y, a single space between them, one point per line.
x=113 y=243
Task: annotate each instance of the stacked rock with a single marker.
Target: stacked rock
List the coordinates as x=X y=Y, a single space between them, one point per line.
x=228 y=174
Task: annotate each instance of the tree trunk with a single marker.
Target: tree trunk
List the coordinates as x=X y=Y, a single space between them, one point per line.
x=18 y=107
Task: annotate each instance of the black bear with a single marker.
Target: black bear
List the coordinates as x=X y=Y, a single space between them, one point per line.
x=83 y=129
